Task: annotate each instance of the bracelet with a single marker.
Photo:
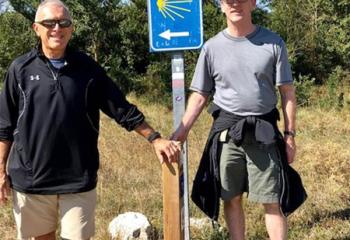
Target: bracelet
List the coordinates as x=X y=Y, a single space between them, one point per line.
x=153 y=136
x=291 y=133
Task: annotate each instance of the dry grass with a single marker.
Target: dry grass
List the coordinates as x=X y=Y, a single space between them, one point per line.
x=130 y=177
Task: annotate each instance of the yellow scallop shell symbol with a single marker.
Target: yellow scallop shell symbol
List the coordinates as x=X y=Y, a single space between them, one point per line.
x=172 y=9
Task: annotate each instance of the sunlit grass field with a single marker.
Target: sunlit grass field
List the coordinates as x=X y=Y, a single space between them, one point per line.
x=130 y=177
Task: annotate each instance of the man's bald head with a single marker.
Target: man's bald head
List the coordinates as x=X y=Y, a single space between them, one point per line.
x=45 y=3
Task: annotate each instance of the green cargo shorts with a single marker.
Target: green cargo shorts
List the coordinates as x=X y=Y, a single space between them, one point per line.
x=251 y=168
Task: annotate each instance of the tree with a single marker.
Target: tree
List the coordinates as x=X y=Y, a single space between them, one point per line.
x=16 y=38
x=25 y=7
x=317 y=34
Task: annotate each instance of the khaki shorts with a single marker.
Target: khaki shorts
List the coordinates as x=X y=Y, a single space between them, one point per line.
x=251 y=168
x=37 y=215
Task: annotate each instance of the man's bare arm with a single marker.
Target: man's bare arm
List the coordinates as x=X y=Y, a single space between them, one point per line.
x=5 y=147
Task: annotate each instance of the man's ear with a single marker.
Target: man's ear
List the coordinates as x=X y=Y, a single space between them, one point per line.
x=222 y=7
x=35 y=28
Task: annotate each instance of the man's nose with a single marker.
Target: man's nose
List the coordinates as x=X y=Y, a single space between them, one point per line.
x=57 y=26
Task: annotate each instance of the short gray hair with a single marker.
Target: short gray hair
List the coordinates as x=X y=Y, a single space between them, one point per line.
x=54 y=2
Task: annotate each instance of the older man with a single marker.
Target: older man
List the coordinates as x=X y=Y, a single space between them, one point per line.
x=49 y=118
x=241 y=66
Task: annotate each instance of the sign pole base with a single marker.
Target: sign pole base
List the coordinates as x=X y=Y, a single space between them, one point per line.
x=171 y=202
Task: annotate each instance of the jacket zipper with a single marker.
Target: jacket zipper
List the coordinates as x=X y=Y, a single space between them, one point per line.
x=55 y=76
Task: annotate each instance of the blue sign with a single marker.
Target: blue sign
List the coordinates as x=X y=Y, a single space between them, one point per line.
x=175 y=25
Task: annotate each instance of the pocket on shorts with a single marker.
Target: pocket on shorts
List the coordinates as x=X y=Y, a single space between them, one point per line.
x=223 y=136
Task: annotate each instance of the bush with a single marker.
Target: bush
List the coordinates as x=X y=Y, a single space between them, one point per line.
x=336 y=84
x=304 y=85
x=155 y=84
x=16 y=38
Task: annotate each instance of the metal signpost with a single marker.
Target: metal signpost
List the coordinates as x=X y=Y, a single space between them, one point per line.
x=178 y=87
x=176 y=25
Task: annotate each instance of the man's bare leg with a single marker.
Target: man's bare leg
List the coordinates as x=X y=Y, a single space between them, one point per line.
x=234 y=217
x=276 y=223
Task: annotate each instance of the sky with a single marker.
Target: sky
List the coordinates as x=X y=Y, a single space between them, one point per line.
x=4 y=5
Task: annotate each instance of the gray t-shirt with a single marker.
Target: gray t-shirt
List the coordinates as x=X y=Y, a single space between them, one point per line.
x=243 y=73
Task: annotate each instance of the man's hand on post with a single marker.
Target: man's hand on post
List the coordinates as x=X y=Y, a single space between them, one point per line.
x=166 y=150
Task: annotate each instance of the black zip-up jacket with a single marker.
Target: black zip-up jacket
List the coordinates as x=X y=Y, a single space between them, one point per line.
x=206 y=185
x=52 y=118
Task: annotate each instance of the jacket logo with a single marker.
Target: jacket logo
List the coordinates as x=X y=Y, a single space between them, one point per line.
x=36 y=77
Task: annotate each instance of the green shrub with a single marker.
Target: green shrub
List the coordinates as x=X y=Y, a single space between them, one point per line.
x=155 y=84
x=336 y=85
x=304 y=85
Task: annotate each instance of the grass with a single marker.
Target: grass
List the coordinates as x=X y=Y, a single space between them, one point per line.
x=130 y=177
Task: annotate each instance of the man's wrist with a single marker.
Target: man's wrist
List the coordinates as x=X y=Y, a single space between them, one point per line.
x=2 y=167
x=291 y=133
x=3 y=173
x=153 y=136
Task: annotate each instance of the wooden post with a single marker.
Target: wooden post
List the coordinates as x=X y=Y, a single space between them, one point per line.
x=172 y=202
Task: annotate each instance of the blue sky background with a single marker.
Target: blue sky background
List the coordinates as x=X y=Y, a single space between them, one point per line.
x=5 y=4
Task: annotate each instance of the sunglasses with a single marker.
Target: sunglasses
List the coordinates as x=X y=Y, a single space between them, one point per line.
x=51 y=23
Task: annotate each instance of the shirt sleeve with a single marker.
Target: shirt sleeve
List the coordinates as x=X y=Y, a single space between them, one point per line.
x=202 y=81
x=9 y=98
x=283 y=69
x=114 y=104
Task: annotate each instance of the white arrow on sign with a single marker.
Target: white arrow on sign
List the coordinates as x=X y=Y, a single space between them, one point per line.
x=167 y=34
